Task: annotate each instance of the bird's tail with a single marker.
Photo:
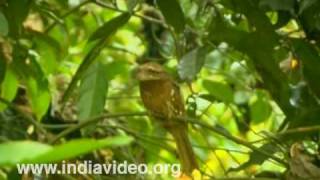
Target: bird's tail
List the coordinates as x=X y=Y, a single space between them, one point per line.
x=185 y=151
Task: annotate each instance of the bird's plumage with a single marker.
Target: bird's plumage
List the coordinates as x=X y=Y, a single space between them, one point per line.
x=161 y=96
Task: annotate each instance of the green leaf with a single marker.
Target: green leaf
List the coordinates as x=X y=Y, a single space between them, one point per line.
x=220 y=32
x=17 y=151
x=310 y=59
x=219 y=90
x=191 y=63
x=260 y=109
x=257 y=18
x=310 y=20
x=132 y=4
x=79 y=147
x=256 y=157
x=38 y=96
x=3 y=67
x=110 y=27
x=305 y=4
x=4 y=29
x=34 y=152
x=259 y=46
x=17 y=11
x=208 y=97
x=37 y=88
x=8 y=88
x=115 y=68
x=276 y=5
x=172 y=13
x=49 y=51
x=93 y=90
x=26 y=67
x=283 y=19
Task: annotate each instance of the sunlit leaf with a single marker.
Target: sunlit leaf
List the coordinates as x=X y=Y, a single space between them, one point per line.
x=34 y=152
x=79 y=147
x=260 y=109
x=8 y=88
x=257 y=157
x=49 y=51
x=17 y=151
x=39 y=97
x=116 y=68
x=219 y=90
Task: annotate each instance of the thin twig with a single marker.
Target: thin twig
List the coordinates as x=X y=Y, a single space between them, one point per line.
x=208 y=144
x=205 y=110
x=299 y=130
x=122 y=97
x=58 y=126
x=93 y=120
x=122 y=50
x=215 y=129
x=142 y=137
x=234 y=114
x=147 y=18
x=237 y=140
x=193 y=145
x=76 y=8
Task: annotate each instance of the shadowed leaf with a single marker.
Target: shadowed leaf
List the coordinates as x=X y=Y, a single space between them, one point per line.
x=172 y=13
x=191 y=63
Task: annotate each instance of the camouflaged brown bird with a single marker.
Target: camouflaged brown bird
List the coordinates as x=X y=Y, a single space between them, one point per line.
x=162 y=98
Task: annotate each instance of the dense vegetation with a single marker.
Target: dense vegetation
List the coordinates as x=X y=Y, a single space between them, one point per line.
x=248 y=70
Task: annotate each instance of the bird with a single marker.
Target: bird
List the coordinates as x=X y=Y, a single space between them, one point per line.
x=162 y=98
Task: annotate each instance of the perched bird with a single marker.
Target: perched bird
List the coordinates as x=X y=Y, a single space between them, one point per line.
x=162 y=98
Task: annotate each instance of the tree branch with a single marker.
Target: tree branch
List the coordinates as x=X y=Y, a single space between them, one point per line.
x=76 y=8
x=94 y=120
x=299 y=130
x=147 y=18
x=226 y=134
x=218 y=130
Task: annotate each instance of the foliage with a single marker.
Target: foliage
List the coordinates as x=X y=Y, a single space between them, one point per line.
x=248 y=70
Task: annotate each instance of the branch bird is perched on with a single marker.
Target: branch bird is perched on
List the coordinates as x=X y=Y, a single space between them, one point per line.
x=162 y=98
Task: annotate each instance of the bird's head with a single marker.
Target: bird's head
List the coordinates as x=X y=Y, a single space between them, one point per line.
x=150 y=71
